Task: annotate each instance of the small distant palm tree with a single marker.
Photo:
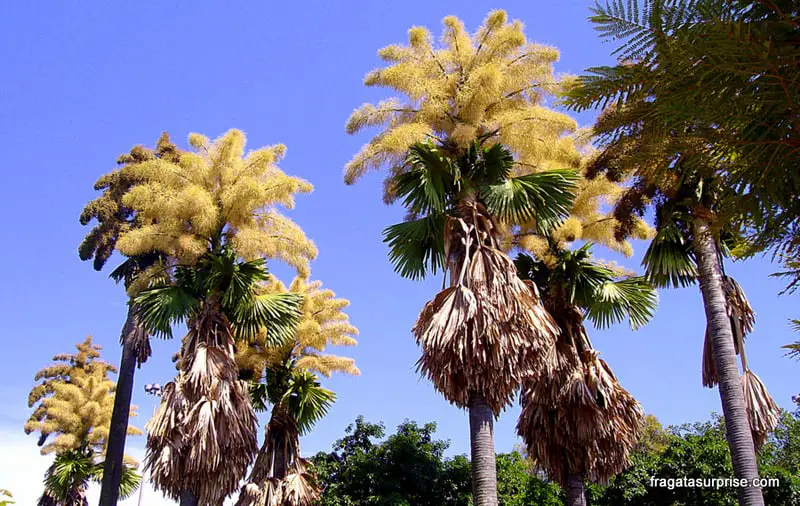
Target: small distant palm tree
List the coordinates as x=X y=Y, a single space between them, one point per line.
x=578 y=422
x=71 y=473
x=74 y=402
x=488 y=330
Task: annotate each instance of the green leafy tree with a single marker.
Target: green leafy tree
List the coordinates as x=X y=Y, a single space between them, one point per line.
x=700 y=451
x=409 y=468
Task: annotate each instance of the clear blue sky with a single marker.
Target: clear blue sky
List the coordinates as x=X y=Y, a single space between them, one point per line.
x=84 y=81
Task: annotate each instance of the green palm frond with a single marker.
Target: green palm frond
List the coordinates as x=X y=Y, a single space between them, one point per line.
x=546 y=197
x=128 y=270
x=794 y=348
x=484 y=165
x=236 y=280
x=580 y=281
x=669 y=260
x=278 y=313
x=602 y=86
x=258 y=396
x=639 y=25
x=159 y=307
x=69 y=475
x=427 y=185
x=417 y=246
x=632 y=298
x=307 y=400
x=792 y=273
x=129 y=482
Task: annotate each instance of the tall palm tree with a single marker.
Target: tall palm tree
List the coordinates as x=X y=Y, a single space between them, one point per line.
x=75 y=399
x=674 y=167
x=285 y=378
x=488 y=87
x=488 y=330
x=203 y=436
x=578 y=422
x=213 y=211
x=112 y=219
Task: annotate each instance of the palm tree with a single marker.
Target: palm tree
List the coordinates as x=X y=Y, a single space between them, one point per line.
x=280 y=476
x=213 y=213
x=579 y=423
x=488 y=330
x=488 y=88
x=75 y=399
x=285 y=378
x=67 y=479
x=203 y=436
x=674 y=167
x=113 y=218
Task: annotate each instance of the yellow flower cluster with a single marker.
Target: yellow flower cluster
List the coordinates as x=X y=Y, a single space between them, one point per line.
x=590 y=218
x=490 y=83
x=75 y=399
x=217 y=193
x=323 y=323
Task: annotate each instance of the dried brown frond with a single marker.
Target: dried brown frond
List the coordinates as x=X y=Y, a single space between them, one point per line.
x=280 y=477
x=203 y=436
x=579 y=419
x=739 y=310
x=762 y=412
x=488 y=330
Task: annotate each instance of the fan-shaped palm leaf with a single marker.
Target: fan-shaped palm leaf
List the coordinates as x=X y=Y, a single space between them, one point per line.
x=130 y=480
x=669 y=259
x=631 y=298
x=416 y=247
x=545 y=197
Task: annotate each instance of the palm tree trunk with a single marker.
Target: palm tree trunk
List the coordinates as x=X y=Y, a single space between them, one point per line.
x=740 y=440
x=280 y=465
x=118 y=429
x=481 y=436
x=576 y=495
x=188 y=499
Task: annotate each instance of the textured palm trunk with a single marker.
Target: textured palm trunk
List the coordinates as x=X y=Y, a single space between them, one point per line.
x=481 y=436
x=740 y=440
x=280 y=465
x=576 y=495
x=188 y=499
x=118 y=429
